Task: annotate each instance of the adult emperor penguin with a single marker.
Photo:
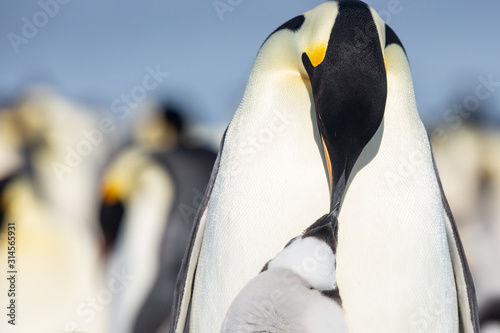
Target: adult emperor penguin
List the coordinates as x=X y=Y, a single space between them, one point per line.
x=341 y=78
x=296 y=291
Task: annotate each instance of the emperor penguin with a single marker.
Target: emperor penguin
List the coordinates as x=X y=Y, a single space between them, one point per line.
x=296 y=290
x=468 y=159
x=151 y=193
x=352 y=141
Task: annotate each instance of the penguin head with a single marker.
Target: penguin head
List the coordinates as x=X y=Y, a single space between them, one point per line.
x=309 y=32
x=349 y=89
x=311 y=256
x=343 y=51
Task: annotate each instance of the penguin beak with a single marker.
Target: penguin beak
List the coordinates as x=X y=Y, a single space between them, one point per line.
x=349 y=88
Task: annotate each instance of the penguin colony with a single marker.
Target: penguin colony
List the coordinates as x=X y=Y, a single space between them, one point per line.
x=342 y=77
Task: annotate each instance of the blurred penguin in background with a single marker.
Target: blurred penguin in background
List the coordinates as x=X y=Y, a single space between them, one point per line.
x=469 y=159
x=69 y=146
x=151 y=193
x=489 y=316
x=461 y=147
x=59 y=282
x=59 y=276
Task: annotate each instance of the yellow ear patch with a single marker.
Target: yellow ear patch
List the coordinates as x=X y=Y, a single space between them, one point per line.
x=316 y=53
x=110 y=193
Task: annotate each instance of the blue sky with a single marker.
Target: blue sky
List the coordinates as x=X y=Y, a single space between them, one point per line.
x=95 y=51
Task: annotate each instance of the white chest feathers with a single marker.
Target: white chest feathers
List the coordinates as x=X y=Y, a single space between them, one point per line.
x=310 y=259
x=278 y=300
x=287 y=296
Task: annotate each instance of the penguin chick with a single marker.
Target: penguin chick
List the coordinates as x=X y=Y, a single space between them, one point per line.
x=296 y=290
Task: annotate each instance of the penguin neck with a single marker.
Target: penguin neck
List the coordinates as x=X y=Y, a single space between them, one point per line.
x=274 y=131
x=154 y=195
x=276 y=112
x=275 y=86
x=151 y=201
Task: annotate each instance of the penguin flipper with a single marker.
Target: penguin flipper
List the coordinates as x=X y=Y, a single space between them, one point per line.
x=185 y=279
x=184 y=286
x=466 y=294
